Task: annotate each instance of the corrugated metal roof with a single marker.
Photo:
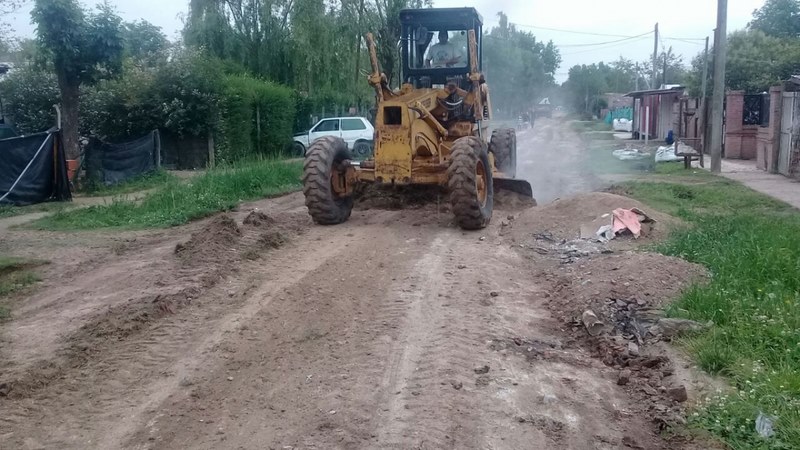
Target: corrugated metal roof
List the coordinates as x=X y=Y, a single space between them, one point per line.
x=655 y=92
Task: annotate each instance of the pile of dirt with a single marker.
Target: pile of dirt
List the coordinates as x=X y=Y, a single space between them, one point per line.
x=641 y=279
x=215 y=239
x=511 y=201
x=563 y=218
x=626 y=293
x=257 y=218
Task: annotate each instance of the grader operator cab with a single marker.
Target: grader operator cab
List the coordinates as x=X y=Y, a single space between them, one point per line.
x=434 y=130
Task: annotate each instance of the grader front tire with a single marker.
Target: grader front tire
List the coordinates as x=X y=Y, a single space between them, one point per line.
x=323 y=162
x=469 y=180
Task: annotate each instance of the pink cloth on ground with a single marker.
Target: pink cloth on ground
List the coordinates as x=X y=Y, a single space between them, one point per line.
x=625 y=218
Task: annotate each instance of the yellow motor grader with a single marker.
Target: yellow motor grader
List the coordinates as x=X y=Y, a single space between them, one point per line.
x=434 y=130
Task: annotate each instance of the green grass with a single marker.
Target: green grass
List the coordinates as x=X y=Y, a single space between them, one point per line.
x=140 y=183
x=599 y=158
x=751 y=245
x=176 y=203
x=581 y=126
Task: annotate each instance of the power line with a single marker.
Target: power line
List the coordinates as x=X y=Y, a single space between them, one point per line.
x=607 y=42
x=561 y=30
x=603 y=48
x=683 y=40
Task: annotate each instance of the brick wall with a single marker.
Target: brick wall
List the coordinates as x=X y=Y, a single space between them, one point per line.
x=740 y=140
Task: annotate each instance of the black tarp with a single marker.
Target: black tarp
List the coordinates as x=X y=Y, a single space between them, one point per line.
x=110 y=164
x=33 y=169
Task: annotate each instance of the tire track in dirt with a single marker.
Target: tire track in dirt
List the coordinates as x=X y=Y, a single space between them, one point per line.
x=410 y=374
x=79 y=401
x=317 y=341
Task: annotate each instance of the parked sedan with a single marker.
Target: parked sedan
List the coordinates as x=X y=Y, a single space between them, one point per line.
x=357 y=132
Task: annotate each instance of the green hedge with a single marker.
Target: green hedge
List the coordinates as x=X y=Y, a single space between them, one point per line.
x=245 y=101
x=28 y=98
x=189 y=96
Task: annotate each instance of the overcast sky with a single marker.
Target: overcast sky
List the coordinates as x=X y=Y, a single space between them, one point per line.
x=681 y=19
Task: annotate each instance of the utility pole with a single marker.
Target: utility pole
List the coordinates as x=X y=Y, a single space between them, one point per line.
x=664 y=75
x=637 y=78
x=655 y=56
x=720 y=48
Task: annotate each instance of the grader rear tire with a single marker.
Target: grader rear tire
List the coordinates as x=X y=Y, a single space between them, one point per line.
x=323 y=158
x=504 y=147
x=469 y=180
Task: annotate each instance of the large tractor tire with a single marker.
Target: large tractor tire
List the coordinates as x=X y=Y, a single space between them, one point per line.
x=323 y=162
x=504 y=147
x=469 y=180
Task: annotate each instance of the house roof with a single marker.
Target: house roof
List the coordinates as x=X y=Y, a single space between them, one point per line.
x=671 y=90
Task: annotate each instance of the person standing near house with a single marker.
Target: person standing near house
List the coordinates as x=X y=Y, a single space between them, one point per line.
x=443 y=53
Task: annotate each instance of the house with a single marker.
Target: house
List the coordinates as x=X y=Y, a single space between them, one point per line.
x=655 y=111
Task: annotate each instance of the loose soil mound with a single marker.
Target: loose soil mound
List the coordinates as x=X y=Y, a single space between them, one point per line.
x=614 y=281
x=507 y=200
x=258 y=219
x=563 y=218
x=217 y=238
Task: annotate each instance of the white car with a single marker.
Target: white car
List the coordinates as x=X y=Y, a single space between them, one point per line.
x=357 y=133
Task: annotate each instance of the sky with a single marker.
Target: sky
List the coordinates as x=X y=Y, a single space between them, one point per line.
x=682 y=23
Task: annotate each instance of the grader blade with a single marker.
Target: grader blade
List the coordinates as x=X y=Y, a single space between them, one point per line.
x=521 y=187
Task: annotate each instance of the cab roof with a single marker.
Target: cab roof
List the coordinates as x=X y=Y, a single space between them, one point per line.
x=432 y=17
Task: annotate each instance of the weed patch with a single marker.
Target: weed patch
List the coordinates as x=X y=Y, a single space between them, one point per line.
x=176 y=203
x=751 y=245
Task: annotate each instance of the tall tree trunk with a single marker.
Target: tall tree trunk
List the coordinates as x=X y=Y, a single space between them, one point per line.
x=69 y=87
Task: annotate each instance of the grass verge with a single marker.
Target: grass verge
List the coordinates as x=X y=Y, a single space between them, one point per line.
x=581 y=126
x=751 y=244
x=176 y=203
x=140 y=183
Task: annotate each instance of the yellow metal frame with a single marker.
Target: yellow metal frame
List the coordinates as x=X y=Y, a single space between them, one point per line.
x=411 y=146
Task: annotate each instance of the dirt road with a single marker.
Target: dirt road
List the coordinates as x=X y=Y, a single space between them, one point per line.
x=250 y=330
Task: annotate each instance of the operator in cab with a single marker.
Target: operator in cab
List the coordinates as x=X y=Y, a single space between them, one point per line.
x=443 y=53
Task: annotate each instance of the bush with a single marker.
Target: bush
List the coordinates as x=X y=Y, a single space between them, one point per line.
x=189 y=96
x=189 y=89
x=247 y=100
x=28 y=97
x=121 y=107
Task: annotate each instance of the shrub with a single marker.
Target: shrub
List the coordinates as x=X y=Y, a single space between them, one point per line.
x=121 y=107
x=28 y=97
x=247 y=101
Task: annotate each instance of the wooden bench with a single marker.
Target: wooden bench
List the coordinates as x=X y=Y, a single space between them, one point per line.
x=688 y=157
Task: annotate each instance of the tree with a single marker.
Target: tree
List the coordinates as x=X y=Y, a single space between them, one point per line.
x=82 y=48
x=144 y=42
x=584 y=86
x=675 y=69
x=519 y=69
x=755 y=61
x=779 y=18
x=7 y=7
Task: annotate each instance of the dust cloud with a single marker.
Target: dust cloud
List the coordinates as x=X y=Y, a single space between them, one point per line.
x=549 y=157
